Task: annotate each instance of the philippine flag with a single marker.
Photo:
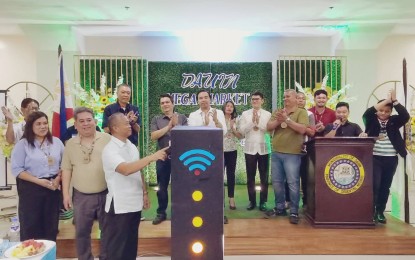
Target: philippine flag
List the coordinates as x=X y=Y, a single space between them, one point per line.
x=63 y=105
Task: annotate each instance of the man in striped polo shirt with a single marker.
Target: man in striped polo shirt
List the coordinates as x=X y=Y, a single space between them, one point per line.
x=389 y=142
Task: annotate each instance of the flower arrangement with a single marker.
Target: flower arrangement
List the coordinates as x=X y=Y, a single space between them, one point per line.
x=96 y=101
x=410 y=132
x=333 y=97
x=6 y=148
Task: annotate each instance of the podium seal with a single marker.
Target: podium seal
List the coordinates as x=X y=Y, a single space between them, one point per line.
x=344 y=174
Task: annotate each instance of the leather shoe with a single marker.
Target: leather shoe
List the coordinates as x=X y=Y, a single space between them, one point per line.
x=263 y=206
x=159 y=218
x=225 y=220
x=380 y=218
x=232 y=205
x=251 y=206
x=294 y=218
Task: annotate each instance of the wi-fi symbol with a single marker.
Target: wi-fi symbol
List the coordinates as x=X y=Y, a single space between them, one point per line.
x=197 y=160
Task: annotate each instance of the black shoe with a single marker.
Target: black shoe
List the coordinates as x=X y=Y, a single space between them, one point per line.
x=263 y=206
x=225 y=220
x=380 y=217
x=275 y=212
x=294 y=218
x=159 y=218
x=251 y=206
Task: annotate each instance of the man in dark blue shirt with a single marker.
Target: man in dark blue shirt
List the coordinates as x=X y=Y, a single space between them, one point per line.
x=123 y=106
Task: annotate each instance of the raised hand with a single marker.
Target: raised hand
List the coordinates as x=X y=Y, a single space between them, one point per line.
x=7 y=114
x=174 y=119
x=215 y=115
x=280 y=115
x=392 y=94
x=319 y=126
x=232 y=123
x=132 y=116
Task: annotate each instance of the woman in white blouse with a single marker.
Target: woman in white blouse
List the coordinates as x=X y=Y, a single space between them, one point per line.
x=230 y=144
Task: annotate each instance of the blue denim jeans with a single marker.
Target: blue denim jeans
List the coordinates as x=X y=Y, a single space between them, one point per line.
x=286 y=167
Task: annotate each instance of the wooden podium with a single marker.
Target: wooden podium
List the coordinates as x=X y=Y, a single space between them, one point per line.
x=339 y=193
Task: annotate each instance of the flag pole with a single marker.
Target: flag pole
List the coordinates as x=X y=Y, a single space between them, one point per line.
x=405 y=91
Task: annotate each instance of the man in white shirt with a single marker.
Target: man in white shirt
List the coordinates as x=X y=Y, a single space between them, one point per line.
x=15 y=131
x=127 y=192
x=206 y=115
x=253 y=125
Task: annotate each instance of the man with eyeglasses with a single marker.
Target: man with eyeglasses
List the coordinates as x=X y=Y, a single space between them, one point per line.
x=82 y=166
x=253 y=125
x=15 y=131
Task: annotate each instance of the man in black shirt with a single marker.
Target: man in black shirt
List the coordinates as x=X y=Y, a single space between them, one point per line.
x=342 y=127
x=123 y=106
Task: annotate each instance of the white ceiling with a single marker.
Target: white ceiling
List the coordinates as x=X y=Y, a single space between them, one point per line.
x=164 y=17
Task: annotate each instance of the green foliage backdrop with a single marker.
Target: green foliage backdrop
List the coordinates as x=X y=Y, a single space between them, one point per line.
x=166 y=77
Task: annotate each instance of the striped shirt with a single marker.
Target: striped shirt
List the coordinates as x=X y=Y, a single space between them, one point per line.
x=383 y=146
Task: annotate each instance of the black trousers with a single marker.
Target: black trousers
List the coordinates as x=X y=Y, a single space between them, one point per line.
x=121 y=234
x=38 y=211
x=384 y=168
x=163 y=169
x=230 y=166
x=252 y=161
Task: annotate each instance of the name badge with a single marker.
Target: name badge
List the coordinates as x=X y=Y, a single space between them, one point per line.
x=51 y=161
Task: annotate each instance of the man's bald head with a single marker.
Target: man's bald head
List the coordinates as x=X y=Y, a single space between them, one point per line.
x=114 y=120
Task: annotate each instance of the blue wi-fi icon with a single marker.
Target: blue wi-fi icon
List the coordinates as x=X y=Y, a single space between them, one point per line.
x=197 y=160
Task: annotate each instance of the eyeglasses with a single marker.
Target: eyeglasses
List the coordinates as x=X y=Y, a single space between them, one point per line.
x=255 y=99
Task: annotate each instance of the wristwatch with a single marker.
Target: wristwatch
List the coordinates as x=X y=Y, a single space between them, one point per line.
x=287 y=120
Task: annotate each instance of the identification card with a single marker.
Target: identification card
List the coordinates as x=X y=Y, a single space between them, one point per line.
x=51 y=161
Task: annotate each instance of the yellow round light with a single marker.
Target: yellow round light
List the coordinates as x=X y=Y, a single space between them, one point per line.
x=197 y=247
x=197 y=221
x=197 y=195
